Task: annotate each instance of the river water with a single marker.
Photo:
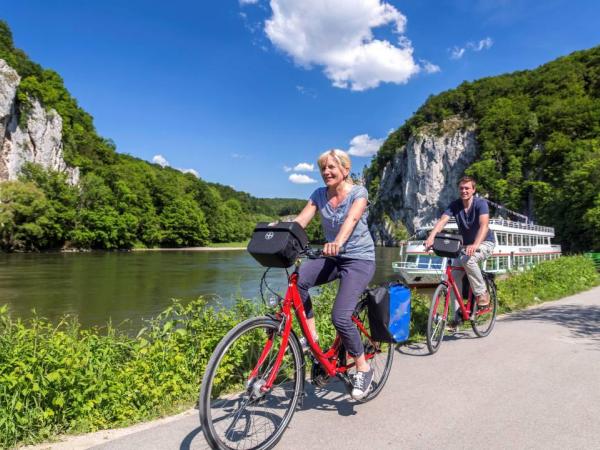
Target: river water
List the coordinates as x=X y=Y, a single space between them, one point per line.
x=126 y=287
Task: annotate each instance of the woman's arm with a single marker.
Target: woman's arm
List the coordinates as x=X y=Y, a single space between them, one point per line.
x=306 y=215
x=354 y=214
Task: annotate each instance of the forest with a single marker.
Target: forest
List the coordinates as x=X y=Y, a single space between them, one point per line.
x=538 y=134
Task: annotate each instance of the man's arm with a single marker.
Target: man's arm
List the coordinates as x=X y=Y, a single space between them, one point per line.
x=484 y=224
x=439 y=226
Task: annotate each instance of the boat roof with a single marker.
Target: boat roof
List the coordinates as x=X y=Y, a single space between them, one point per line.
x=500 y=224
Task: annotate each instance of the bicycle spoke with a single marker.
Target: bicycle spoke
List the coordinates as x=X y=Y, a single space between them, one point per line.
x=239 y=412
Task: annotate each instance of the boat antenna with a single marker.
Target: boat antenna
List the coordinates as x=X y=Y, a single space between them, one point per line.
x=514 y=213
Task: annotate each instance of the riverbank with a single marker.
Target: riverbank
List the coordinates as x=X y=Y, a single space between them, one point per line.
x=65 y=379
x=189 y=249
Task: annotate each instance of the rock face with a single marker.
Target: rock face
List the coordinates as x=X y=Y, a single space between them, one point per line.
x=421 y=180
x=37 y=140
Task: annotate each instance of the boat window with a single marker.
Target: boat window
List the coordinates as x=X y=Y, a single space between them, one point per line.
x=436 y=262
x=423 y=262
x=502 y=262
x=501 y=238
x=510 y=239
x=411 y=258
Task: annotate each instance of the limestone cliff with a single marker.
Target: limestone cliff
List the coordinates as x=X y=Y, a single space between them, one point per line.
x=421 y=179
x=35 y=138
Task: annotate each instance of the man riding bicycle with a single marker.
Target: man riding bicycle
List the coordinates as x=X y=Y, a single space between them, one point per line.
x=472 y=216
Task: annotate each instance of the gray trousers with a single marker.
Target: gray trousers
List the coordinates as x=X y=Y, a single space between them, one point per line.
x=471 y=265
x=354 y=276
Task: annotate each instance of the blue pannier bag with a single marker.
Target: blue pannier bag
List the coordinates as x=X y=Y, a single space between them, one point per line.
x=389 y=312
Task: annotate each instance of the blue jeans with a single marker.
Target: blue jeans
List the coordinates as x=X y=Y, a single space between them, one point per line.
x=354 y=276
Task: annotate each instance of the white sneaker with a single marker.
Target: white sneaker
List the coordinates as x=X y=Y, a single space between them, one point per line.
x=361 y=384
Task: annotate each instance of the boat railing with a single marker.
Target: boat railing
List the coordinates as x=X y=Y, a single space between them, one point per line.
x=419 y=242
x=514 y=224
x=431 y=265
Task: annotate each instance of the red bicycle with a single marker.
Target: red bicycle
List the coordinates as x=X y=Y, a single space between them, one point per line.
x=255 y=378
x=482 y=318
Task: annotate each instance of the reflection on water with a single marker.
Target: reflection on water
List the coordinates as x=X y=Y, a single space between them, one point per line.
x=129 y=286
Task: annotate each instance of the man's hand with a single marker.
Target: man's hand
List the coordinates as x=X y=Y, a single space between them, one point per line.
x=470 y=250
x=428 y=243
x=331 y=249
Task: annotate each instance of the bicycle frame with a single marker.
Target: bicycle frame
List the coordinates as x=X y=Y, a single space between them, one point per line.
x=449 y=281
x=466 y=308
x=328 y=359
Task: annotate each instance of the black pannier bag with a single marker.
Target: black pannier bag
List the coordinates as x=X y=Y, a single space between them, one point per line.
x=277 y=245
x=448 y=245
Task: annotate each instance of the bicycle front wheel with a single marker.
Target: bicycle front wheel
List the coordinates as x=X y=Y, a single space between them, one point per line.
x=484 y=318
x=236 y=412
x=379 y=355
x=438 y=316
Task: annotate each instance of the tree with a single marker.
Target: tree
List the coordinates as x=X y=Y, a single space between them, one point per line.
x=25 y=222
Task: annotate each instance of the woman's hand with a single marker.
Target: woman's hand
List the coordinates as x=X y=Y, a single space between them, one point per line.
x=331 y=249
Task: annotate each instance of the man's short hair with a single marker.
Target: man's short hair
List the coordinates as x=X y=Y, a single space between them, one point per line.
x=467 y=179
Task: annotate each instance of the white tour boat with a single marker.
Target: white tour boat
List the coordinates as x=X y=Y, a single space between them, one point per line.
x=519 y=245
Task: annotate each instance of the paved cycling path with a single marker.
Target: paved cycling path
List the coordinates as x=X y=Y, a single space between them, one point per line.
x=533 y=383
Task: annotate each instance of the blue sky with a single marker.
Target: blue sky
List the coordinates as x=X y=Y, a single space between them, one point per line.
x=248 y=93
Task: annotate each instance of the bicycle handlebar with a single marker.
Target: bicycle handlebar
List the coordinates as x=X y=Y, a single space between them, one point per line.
x=313 y=253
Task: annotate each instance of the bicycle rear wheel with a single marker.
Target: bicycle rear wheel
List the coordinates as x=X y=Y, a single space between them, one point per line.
x=484 y=318
x=234 y=411
x=379 y=355
x=438 y=316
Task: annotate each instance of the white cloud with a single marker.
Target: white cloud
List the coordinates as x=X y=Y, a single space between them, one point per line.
x=287 y=169
x=160 y=160
x=363 y=145
x=304 y=167
x=457 y=53
x=338 y=35
x=248 y=2
x=429 y=67
x=484 y=44
x=239 y=156
x=307 y=91
x=192 y=171
x=298 y=178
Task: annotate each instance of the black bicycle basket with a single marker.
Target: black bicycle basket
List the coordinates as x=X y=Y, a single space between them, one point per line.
x=447 y=245
x=277 y=245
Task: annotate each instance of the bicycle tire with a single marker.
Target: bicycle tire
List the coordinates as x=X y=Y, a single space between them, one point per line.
x=234 y=412
x=380 y=356
x=483 y=324
x=436 y=322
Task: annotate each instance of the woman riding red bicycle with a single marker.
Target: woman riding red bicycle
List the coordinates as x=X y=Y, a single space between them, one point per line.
x=343 y=209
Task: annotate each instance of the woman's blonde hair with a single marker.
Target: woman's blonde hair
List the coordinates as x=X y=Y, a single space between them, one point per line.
x=341 y=158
